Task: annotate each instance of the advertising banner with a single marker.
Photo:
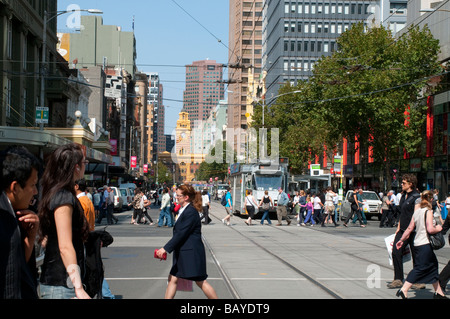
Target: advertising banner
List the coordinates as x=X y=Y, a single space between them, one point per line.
x=133 y=161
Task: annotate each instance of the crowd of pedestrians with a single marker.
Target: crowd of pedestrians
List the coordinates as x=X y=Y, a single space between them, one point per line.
x=64 y=219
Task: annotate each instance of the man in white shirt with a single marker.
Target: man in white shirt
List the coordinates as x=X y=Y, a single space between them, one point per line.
x=317 y=206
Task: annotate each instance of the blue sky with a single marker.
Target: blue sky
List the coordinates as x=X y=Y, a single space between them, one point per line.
x=167 y=35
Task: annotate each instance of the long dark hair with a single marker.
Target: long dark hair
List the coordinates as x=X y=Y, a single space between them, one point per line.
x=59 y=175
x=195 y=198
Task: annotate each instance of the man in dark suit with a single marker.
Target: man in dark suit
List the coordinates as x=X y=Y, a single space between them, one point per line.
x=18 y=225
x=189 y=259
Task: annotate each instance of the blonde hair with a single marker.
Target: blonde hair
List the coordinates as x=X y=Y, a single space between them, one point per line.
x=426 y=199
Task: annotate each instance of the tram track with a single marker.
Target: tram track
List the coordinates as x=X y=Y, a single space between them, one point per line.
x=333 y=294
x=377 y=247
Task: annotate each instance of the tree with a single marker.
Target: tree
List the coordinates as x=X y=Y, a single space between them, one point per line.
x=368 y=92
x=215 y=165
x=370 y=89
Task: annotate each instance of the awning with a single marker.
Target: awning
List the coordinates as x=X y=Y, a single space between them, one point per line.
x=36 y=140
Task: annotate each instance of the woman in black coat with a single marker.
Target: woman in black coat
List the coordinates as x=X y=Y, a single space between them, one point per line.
x=189 y=259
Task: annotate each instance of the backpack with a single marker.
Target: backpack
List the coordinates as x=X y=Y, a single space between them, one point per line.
x=224 y=199
x=351 y=199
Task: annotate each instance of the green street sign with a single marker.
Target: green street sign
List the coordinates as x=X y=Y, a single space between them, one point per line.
x=42 y=115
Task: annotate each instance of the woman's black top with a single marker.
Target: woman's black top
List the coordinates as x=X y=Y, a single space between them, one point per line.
x=54 y=272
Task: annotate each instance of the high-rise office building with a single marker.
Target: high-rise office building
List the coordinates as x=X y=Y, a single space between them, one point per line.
x=204 y=89
x=296 y=34
x=155 y=101
x=245 y=43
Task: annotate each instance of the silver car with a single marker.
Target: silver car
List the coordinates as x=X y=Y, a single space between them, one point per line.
x=370 y=198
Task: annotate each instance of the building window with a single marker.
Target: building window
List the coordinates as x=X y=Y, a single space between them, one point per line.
x=23 y=113
x=25 y=52
x=8 y=98
x=9 y=44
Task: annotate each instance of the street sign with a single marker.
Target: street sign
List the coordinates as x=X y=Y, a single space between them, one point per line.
x=337 y=164
x=113 y=87
x=42 y=115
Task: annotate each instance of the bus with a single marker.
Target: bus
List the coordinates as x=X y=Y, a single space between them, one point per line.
x=258 y=177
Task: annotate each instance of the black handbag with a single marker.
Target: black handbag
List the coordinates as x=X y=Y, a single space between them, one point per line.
x=437 y=241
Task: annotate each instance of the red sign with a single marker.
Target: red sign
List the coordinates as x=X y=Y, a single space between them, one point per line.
x=113 y=147
x=145 y=168
x=133 y=161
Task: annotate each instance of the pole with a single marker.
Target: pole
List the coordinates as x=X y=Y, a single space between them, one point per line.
x=43 y=66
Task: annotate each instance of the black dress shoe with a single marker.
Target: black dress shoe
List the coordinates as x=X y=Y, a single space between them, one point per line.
x=400 y=294
x=438 y=296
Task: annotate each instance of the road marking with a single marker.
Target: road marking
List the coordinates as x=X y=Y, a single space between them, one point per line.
x=251 y=279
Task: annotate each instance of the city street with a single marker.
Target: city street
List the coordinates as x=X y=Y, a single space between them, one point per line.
x=261 y=262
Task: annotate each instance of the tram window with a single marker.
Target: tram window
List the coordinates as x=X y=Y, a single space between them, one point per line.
x=268 y=182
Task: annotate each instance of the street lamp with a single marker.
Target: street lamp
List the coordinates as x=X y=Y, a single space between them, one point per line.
x=47 y=19
x=433 y=10
x=277 y=96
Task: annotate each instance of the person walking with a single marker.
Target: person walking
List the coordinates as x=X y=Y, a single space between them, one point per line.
x=96 y=201
x=282 y=201
x=63 y=225
x=329 y=207
x=19 y=226
x=407 y=205
x=189 y=258
x=317 y=206
x=250 y=205
x=386 y=212
x=309 y=212
x=354 y=210
x=164 y=215
x=360 y=202
x=86 y=203
x=138 y=205
x=425 y=268
x=265 y=204
x=228 y=206
x=444 y=276
x=146 y=203
x=302 y=205
x=110 y=207
x=206 y=205
x=296 y=207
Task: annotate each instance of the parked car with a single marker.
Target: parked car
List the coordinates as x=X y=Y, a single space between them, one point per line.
x=370 y=197
x=125 y=193
x=118 y=201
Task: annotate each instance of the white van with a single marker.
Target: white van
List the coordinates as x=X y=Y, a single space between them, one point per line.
x=118 y=201
x=131 y=187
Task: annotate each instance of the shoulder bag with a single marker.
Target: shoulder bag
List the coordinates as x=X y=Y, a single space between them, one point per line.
x=437 y=240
